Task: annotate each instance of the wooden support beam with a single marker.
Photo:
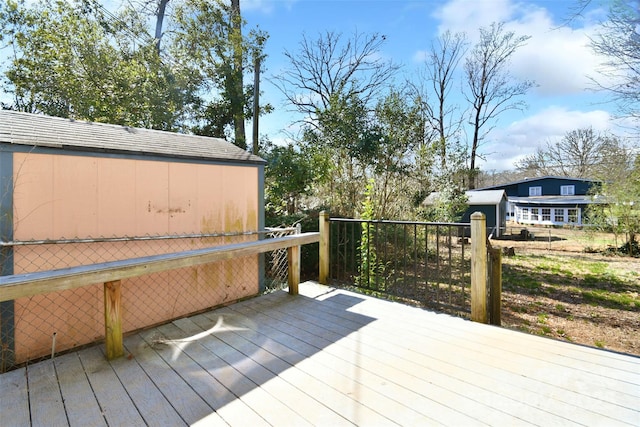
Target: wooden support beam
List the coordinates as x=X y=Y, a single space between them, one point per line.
x=293 y=259
x=113 y=319
x=479 y=309
x=323 y=276
x=495 y=292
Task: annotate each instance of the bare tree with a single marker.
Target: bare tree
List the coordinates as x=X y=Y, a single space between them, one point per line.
x=577 y=10
x=442 y=149
x=330 y=65
x=441 y=63
x=619 y=43
x=581 y=153
x=491 y=88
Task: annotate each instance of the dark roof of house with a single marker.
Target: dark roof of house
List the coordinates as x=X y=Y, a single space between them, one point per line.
x=565 y=178
x=54 y=132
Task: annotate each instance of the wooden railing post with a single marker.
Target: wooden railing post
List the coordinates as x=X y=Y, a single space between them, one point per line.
x=293 y=261
x=479 y=310
x=323 y=275
x=113 y=320
x=495 y=292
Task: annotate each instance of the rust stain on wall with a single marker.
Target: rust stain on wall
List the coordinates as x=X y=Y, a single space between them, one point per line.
x=233 y=218
x=170 y=210
x=211 y=223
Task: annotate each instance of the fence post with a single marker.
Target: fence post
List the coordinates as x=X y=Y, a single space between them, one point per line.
x=293 y=261
x=324 y=248
x=7 y=308
x=479 y=312
x=495 y=292
x=113 y=320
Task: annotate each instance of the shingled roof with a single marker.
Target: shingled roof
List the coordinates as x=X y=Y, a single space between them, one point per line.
x=475 y=197
x=54 y=132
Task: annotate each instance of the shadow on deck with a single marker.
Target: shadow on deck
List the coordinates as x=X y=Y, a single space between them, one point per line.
x=327 y=357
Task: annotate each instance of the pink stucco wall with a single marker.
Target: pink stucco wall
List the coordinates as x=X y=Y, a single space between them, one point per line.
x=61 y=196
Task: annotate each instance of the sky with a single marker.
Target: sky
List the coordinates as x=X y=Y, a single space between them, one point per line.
x=557 y=57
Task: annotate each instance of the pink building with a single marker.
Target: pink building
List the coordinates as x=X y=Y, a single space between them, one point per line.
x=63 y=179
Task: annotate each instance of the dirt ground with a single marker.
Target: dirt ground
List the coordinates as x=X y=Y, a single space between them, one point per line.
x=559 y=284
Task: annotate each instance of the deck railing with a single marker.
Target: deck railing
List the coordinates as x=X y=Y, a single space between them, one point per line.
x=431 y=264
x=63 y=304
x=442 y=266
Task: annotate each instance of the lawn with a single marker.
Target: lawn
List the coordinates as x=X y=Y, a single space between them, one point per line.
x=557 y=286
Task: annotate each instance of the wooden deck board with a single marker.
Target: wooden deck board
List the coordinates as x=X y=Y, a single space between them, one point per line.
x=152 y=405
x=236 y=378
x=346 y=376
x=153 y=358
x=333 y=386
x=268 y=405
x=115 y=403
x=327 y=357
x=617 y=387
x=46 y=404
x=261 y=373
x=350 y=366
x=451 y=347
x=374 y=367
x=14 y=399
x=423 y=358
x=226 y=401
x=218 y=393
x=80 y=404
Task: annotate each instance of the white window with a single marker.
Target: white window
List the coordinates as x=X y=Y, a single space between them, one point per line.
x=558 y=215
x=573 y=216
x=535 y=191
x=546 y=214
x=567 y=190
x=534 y=214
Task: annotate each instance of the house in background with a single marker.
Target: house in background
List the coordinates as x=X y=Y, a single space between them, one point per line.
x=548 y=200
x=492 y=203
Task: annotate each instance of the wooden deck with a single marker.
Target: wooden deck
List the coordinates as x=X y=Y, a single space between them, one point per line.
x=327 y=357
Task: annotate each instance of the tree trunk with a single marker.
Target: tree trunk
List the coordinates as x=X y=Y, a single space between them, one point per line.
x=162 y=6
x=256 y=102
x=238 y=89
x=471 y=185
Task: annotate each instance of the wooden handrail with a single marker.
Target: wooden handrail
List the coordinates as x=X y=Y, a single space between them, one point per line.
x=29 y=284
x=111 y=274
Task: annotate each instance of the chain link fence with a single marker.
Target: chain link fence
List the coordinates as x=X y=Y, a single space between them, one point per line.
x=43 y=325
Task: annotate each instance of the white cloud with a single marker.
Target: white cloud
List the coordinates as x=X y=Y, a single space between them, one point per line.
x=456 y=15
x=260 y=5
x=521 y=138
x=420 y=56
x=264 y=6
x=558 y=58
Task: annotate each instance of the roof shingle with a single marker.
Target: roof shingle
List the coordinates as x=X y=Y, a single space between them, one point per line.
x=45 y=131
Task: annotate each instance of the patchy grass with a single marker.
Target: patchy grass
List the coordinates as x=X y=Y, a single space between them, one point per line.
x=571 y=295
